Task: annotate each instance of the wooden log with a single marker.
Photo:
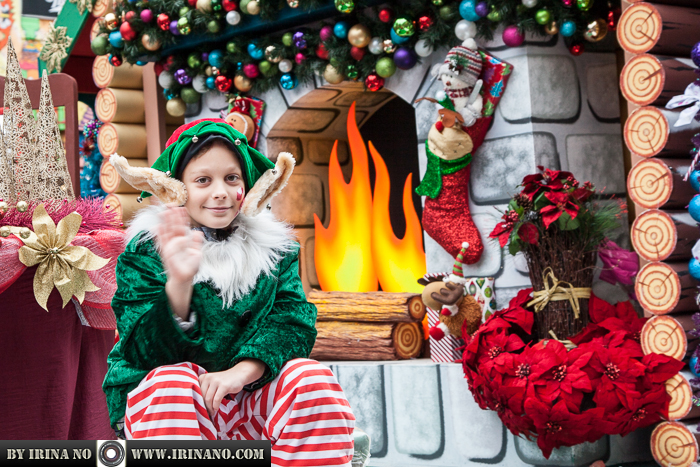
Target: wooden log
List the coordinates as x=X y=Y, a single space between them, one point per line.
x=124 y=204
x=407 y=340
x=664 y=335
x=653 y=183
x=690 y=3
x=681 y=402
x=657 y=235
x=126 y=139
x=120 y=106
x=101 y=8
x=659 y=29
x=126 y=76
x=663 y=288
x=675 y=444
x=649 y=132
x=373 y=307
x=111 y=182
x=650 y=80
x=353 y=341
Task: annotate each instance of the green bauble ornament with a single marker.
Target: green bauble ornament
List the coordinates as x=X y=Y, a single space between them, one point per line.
x=494 y=16
x=193 y=61
x=183 y=25
x=385 y=67
x=542 y=17
x=99 y=45
x=216 y=5
x=243 y=6
x=352 y=72
x=213 y=26
x=404 y=27
x=287 y=39
x=437 y=2
x=183 y=11
x=344 y=6
x=266 y=68
x=447 y=12
x=189 y=95
x=231 y=47
x=335 y=62
x=584 y=5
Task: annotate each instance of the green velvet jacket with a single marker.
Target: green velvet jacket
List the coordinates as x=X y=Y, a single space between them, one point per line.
x=273 y=323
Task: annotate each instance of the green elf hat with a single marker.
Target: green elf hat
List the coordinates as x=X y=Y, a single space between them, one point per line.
x=265 y=178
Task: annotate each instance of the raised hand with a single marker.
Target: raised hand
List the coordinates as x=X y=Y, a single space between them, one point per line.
x=180 y=248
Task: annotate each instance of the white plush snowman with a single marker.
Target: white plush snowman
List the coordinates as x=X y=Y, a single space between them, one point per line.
x=460 y=78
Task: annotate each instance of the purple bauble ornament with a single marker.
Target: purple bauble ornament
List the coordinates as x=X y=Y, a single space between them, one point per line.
x=512 y=37
x=482 y=9
x=205 y=56
x=298 y=40
x=326 y=33
x=173 y=28
x=695 y=54
x=405 y=58
x=146 y=16
x=182 y=77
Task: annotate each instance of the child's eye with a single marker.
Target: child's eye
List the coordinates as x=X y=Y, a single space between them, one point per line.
x=202 y=180
x=233 y=178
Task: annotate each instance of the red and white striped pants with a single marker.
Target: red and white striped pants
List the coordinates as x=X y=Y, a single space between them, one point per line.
x=303 y=412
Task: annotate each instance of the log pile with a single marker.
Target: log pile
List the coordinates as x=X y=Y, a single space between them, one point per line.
x=657 y=37
x=367 y=326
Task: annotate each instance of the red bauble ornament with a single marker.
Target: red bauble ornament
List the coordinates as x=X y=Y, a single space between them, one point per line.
x=223 y=83
x=163 y=22
x=576 y=49
x=130 y=16
x=357 y=53
x=115 y=60
x=385 y=15
x=425 y=22
x=374 y=82
x=158 y=68
x=613 y=18
x=128 y=33
x=169 y=62
x=322 y=52
x=229 y=5
x=192 y=3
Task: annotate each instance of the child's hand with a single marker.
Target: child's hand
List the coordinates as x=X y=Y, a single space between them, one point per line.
x=180 y=248
x=217 y=385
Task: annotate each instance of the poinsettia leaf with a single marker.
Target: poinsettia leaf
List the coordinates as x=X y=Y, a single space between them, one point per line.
x=541 y=201
x=515 y=245
x=567 y=223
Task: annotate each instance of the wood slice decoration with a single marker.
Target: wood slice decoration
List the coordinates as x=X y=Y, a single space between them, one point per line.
x=126 y=76
x=111 y=182
x=674 y=444
x=653 y=183
x=408 y=340
x=650 y=80
x=101 y=8
x=120 y=106
x=691 y=3
x=95 y=30
x=126 y=139
x=662 y=288
x=681 y=394
x=664 y=335
x=659 y=29
x=124 y=204
x=653 y=235
x=377 y=307
x=649 y=132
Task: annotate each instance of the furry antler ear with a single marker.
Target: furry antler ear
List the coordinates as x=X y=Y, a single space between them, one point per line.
x=167 y=189
x=268 y=185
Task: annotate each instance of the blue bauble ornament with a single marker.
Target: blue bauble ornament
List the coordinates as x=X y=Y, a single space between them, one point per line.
x=216 y=58
x=141 y=62
x=396 y=39
x=288 y=81
x=692 y=364
x=255 y=52
x=341 y=29
x=695 y=180
x=694 y=208
x=169 y=94
x=568 y=28
x=467 y=10
x=211 y=82
x=694 y=269
x=115 y=38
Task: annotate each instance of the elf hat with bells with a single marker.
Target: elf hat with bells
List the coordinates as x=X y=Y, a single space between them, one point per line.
x=265 y=178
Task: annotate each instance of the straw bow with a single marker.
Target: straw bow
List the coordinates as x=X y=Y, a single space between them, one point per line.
x=556 y=290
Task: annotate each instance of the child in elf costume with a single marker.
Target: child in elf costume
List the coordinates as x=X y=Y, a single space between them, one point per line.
x=211 y=312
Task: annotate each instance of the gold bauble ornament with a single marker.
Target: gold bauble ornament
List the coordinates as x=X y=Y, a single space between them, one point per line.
x=110 y=20
x=4 y=207
x=5 y=231
x=359 y=35
x=22 y=206
x=242 y=83
x=254 y=7
x=332 y=75
x=208 y=70
x=176 y=107
x=552 y=29
x=269 y=51
x=293 y=3
x=204 y=6
x=150 y=43
x=596 y=30
x=388 y=46
x=24 y=233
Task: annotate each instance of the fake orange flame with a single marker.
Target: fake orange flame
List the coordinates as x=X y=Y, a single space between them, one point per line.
x=359 y=248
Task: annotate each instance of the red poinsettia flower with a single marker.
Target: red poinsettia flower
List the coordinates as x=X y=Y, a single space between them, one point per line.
x=549 y=180
x=503 y=230
x=650 y=408
x=528 y=233
x=561 y=203
x=618 y=377
x=495 y=358
x=530 y=365
x=565 y=379
x=556 y=425
x=582 y=194
x=659 y=369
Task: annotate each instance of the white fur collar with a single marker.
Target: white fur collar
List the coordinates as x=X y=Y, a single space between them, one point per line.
x=232 y=266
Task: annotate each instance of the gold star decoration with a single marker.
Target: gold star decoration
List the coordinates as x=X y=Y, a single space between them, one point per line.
x=55 y=48
x=82 y=5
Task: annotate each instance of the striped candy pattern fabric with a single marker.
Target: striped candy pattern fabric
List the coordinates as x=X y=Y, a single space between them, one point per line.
x=303 y=412
x=444 y=350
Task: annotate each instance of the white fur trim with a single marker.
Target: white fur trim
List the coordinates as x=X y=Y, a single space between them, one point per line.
x=457 y=279
x=234 y=265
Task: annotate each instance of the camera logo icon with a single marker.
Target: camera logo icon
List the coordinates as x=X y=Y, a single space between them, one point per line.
x=111 y=453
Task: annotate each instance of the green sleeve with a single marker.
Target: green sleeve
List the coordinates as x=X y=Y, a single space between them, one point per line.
x=288 y=331
x=148 y=334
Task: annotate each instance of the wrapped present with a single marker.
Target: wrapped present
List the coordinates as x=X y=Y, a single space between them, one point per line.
x=445 y=349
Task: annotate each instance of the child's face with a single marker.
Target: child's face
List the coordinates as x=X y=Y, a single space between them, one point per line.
x=215 y=187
